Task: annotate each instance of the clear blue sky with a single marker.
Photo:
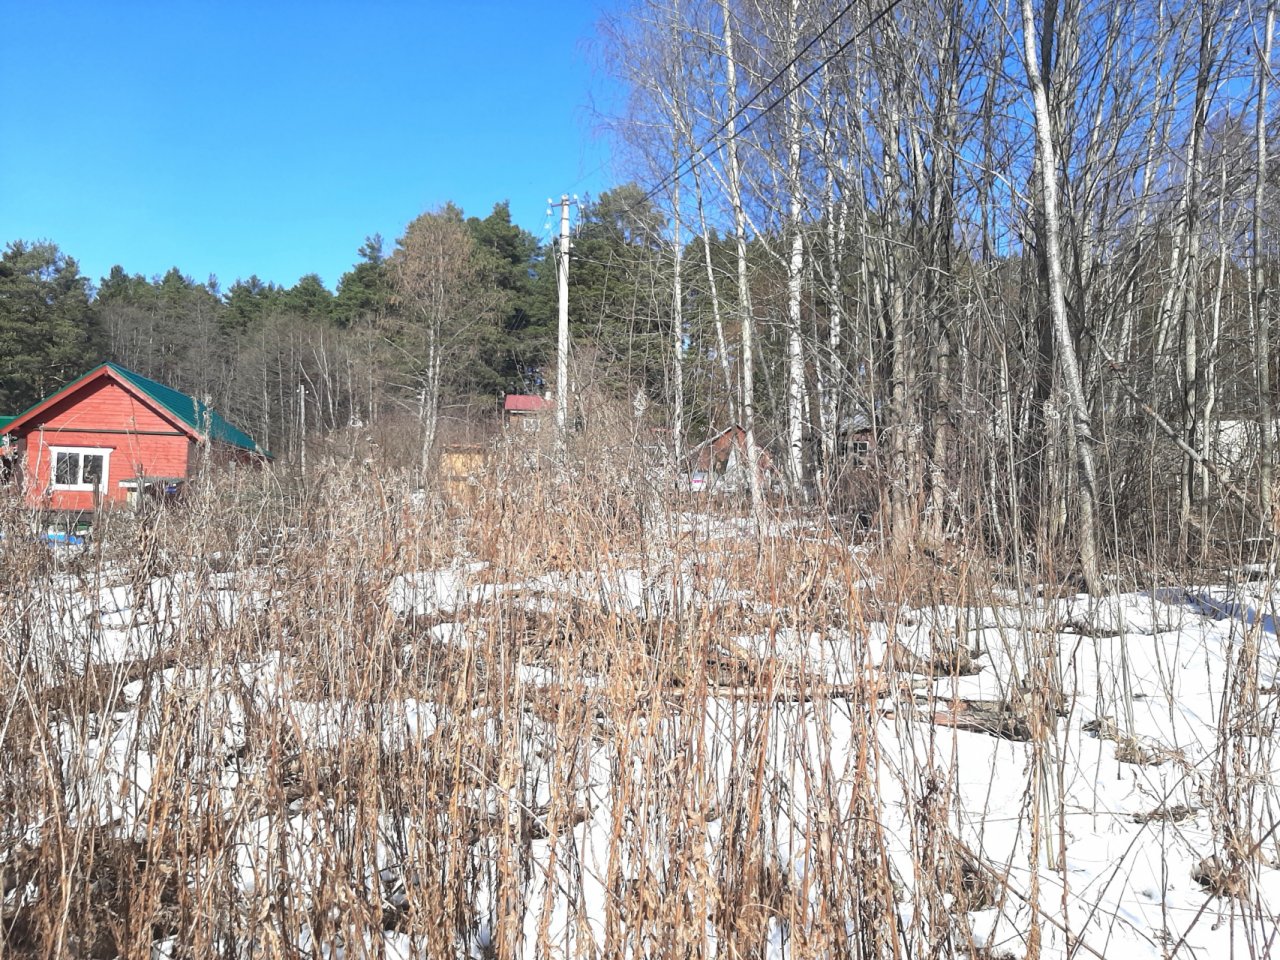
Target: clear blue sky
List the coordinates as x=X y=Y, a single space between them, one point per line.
x=272 y=137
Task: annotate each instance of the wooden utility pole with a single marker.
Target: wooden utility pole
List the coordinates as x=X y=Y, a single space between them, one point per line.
x=562 y=339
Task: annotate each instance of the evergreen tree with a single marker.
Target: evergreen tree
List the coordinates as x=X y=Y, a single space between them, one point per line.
x=364 y=292
x=309 y=299
x=168 y=329
x=248 y=302
x=48 y=334
x=525 y=335
x=619 y=294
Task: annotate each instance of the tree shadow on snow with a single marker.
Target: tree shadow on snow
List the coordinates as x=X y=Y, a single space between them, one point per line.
x=1207 y=603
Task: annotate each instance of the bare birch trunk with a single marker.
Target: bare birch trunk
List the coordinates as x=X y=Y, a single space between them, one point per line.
x=831 y=375
x=1189 y=285
x=903 y=426
x=1210 y=393
x=831 y=380
x=713 y=289
x=1262 y=323
x=1080 y=439
x=744 y=290
x=430 y=401
x=942 y=285
x=796 y=399
x=677 y=308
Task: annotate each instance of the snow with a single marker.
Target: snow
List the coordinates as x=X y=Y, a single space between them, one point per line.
x=1146 y=675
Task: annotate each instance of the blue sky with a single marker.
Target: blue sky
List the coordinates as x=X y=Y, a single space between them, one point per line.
x=272 y=138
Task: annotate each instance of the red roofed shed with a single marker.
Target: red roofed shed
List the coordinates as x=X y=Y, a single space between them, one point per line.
x=527 y=409
x=525 y=403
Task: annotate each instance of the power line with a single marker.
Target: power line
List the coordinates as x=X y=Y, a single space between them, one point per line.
x=775 y=78
x=700 y=156
x=761 y=92
x=737 y=113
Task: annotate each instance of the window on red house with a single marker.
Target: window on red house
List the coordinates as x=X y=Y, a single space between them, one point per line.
x=79 y=468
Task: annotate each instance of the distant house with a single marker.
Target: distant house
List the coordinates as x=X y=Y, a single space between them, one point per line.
x=856 y=441
x=113 y=435
x=720 y=462
x=525 y=411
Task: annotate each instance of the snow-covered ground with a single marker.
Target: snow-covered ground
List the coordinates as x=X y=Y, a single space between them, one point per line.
x=1101 y=772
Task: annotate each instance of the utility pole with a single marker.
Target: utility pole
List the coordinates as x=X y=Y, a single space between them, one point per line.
x=562 y=340
x=302 y=428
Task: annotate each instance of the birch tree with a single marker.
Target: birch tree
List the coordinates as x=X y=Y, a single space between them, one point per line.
x=745 y=318
x=441 y=295
x=1261 y=306
x=1036 y=57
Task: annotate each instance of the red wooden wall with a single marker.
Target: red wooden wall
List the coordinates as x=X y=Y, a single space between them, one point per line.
x=103 y=415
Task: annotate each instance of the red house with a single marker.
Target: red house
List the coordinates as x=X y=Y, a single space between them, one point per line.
x=113 y=434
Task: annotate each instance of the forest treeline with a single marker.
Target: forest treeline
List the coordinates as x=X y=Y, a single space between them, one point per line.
x=456 y=313
x=283 y=360
x=1029 y=246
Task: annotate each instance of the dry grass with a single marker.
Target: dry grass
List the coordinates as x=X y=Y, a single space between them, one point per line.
x=591 y=748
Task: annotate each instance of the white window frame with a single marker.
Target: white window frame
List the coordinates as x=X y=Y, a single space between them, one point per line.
x=81 y=452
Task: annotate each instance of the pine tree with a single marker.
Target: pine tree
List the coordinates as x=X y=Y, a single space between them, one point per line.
x=48 y=333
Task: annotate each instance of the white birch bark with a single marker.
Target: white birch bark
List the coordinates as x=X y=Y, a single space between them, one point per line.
x=1262 y=321
x=796 y=389
x=713 y=290
x=744 y=288
x=1081 y=437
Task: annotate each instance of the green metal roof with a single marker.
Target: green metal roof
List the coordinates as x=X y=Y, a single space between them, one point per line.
x=200 y=417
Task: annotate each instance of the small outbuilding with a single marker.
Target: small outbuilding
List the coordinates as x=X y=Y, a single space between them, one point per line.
x=114 y=435
x=525 y=410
